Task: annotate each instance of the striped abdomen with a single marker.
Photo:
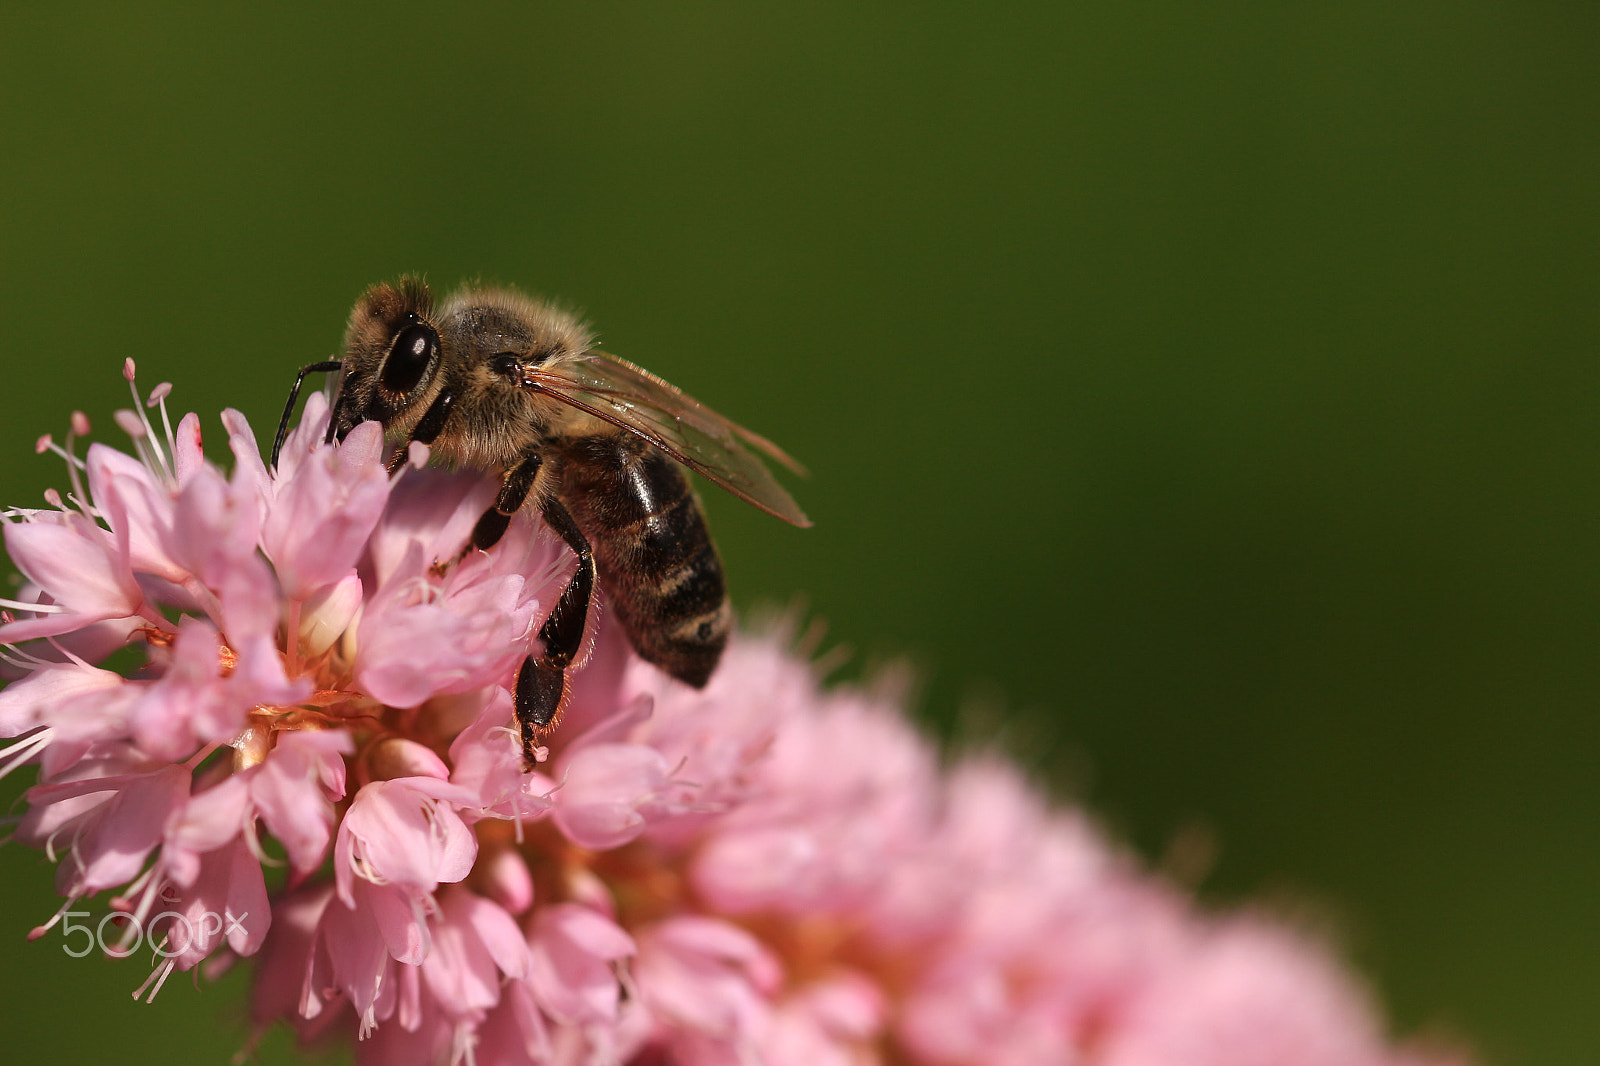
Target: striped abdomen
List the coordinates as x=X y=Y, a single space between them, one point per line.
x=652 y=551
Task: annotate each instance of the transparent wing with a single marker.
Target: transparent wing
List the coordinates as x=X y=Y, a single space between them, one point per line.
x=636 y=400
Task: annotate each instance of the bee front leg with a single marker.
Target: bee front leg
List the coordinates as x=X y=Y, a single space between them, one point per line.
x=428 y=427
x=326 y=367
x=542 y=689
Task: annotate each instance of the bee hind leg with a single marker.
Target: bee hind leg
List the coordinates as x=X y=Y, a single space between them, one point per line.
x=542 y=686
x=541 y=690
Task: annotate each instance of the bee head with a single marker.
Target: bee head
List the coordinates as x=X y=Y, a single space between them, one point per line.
x=392 y=350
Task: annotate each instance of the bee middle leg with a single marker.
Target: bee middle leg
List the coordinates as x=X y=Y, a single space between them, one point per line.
x=514 y=490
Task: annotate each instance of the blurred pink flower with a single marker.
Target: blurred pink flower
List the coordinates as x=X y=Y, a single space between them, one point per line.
x=760 y=872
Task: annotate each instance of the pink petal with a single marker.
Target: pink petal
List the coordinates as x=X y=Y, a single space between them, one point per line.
x=398 y=914
x=227 y=903
x=603 y=787
x=192 y=696
x=137 y=505
x=305 y=437
x=249 y=472
x=283 y=967
x=77 y=563
x=357 y=954
x=395 y=833
x=214 y=526
x=515 y=1031
x=328 y=614
x=248 y=914
x=187 y=454
x=707 y=975
x=208 y=821
x=43 y=695
x=503 y=873
x=398 y=757
x=430 y=512
x=122 y=832
x=487 y=761
x=570 y=965
x=411 y=650
x=320 y=521
x=496 y=929
x=462 y=970
x=292 y=789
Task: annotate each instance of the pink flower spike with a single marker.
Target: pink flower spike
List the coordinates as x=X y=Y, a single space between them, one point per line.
x=759 y=871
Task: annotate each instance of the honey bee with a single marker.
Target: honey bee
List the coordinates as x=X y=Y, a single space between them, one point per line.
x=495 y=380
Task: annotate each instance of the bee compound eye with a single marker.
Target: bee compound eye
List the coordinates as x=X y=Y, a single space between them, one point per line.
x=414 y=349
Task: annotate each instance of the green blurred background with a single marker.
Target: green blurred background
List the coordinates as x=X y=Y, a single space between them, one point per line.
x=1203 y=396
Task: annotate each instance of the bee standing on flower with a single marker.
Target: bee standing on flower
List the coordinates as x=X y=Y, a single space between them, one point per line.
x=498 y=381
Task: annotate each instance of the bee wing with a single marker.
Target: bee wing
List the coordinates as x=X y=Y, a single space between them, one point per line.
x=634 y=399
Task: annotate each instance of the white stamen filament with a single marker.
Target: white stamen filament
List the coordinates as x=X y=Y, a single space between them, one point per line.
x=159 y=396
x=52 y=446
x=150 y=431
x=40 y=930
x=36 y=608
x=73 y=467
x=23 y=751
x=159 y=975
